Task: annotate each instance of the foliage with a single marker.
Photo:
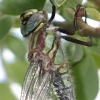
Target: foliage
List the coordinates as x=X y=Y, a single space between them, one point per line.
x=85 y=60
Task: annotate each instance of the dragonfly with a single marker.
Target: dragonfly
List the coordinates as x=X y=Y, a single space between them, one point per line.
x=48 y=75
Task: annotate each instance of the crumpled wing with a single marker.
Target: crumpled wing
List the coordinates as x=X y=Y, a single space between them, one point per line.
x=35 y=87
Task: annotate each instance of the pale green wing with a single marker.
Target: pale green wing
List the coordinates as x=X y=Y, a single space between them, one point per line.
x=34 y=86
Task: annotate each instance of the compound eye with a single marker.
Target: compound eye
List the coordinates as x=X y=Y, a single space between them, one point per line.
x=32 y=21
x=24 y=17
x=35 y=21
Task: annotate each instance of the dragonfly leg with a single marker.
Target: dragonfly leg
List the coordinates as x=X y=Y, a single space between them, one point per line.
x=79 y=13
x=77 y=41
x=53 y=12
x=73 y=39
x=65 y=31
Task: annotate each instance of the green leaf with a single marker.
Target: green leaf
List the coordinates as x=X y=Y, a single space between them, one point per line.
x=15 y=45
x=16 y=70
x=5 y=93
x=93 y=13
x=75 y=51
x=86 y=79
x=96 y=58
x=16 y=7
x=5 y=25
x=63 y=10
x=78 y=1
x=59 y=2
x=79 y=55
x=95 y=54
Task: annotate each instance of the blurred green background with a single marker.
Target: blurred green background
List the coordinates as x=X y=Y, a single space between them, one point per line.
x=13 y=59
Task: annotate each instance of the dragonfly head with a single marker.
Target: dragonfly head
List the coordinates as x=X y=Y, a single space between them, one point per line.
x=32 y=20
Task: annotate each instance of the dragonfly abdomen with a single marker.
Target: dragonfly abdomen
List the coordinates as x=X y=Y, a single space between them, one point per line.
x=62 y=84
